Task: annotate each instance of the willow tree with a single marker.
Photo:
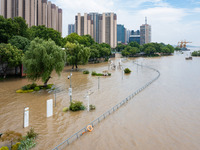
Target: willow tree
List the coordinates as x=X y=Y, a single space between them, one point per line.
x=41 y=58
x=77 y=54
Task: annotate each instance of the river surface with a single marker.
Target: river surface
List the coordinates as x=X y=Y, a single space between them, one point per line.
x=166 y=115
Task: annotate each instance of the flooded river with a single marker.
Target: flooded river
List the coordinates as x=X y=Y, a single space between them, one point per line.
x=165 y=115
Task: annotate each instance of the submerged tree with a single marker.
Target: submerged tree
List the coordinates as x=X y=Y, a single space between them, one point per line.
x=10 y=56
x=77 y=54
x=11 y=136
x=41 y=58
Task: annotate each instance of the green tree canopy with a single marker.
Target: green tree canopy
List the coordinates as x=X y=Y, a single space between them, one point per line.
x=77 y=54
x=20 y=42
x=120 y=47
x=22 y=27
x=10 y=27
x=46 y=34
x=10 y=56
x=41 y=58
x=134 y=44
x=73 y=38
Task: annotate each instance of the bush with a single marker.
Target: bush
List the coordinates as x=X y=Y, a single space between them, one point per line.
x=4 y=148
x=94 y=73
x=27 y=144
x=15 y=147
x=99 y=74
x=36 y=88
x=76 y=105
x=31 y=134
x=92 y=107
x=65 y=109
x=49 y=86
x=126 y=70
x=24 y=91
x=109 y=74
x=86 y=72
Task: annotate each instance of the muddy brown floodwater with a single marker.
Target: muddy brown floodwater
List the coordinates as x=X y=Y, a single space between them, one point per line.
x=165 y=115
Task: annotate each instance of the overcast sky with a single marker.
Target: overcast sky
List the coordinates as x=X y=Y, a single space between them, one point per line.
x=171 y=20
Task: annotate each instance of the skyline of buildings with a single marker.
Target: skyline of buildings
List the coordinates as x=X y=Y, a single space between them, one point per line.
x=102 y=27
x=35 y=12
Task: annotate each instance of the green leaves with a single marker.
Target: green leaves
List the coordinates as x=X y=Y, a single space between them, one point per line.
x=10 y=56
x=42 y=58
x=76 y=53
x=46 y=34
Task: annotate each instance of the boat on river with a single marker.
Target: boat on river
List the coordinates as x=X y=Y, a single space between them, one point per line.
x=188 y=58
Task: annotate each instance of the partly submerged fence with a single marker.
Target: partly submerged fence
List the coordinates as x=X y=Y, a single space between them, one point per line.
x=107 y=113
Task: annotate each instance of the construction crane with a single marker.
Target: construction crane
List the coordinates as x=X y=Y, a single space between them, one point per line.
x=183 y=44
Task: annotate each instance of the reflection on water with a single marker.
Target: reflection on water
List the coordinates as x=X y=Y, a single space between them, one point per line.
x=164 y=116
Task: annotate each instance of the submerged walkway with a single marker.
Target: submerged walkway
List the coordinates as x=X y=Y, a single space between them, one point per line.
x=107 y=113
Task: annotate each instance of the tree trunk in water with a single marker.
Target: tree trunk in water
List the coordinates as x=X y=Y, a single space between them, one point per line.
x=73 y=67
x=45 y=83
x=4 y=74
x=76 y=66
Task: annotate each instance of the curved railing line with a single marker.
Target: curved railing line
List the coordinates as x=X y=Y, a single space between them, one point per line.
x=107 y=113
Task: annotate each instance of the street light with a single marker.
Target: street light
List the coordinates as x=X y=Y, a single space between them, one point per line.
x=70 y=87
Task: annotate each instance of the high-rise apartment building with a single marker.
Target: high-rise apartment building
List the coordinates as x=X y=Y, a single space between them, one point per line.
x=102 y=27
x=128 y=33
x=121 y=34
x=71 y=28
x=35 y=12
x=145 y=33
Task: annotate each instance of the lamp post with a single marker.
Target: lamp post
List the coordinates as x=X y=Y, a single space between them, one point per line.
x=70 y=87
x=122 y=72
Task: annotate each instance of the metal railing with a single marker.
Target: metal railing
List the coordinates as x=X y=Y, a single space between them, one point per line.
x=107 y=113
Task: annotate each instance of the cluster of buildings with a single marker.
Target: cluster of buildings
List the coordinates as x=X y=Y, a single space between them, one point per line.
x=104 y=29
x=35 y=12
x=141 y=36
x=101 y=27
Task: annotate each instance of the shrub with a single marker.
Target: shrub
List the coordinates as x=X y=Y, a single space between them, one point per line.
x=4 y=148
x=31 y=134
x=36 y=88
x=65 y=109
x=33 y=85
x=27 y=144
x=86 y=72
x=11 y=136
x=99 y=74
x=24 y=91
x=49 y=86
x=76 y=105
x=15 y=147
x=126 y=70
x=92 y=107
x=109 y=74
x=94 y=73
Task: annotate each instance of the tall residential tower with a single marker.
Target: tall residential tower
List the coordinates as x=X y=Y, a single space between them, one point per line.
x=35 y=12
x=145 y=33
x=101 y=27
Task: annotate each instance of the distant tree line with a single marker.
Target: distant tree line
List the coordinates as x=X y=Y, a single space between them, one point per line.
x=149 y=49
x=196 y=53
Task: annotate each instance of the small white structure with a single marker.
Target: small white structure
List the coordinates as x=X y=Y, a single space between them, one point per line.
x=26 y=117
x=49 y=107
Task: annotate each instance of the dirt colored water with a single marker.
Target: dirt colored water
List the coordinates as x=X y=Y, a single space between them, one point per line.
x=163 y=116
